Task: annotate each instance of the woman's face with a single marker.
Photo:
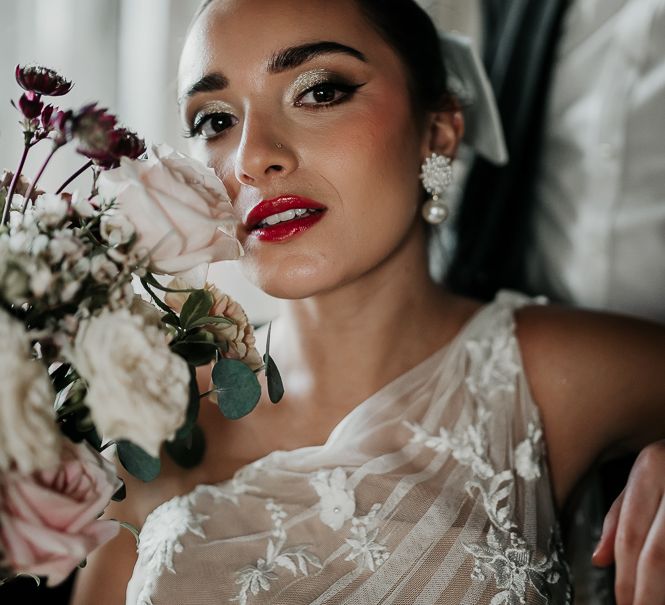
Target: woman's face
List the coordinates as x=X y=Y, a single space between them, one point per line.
x=302 y=109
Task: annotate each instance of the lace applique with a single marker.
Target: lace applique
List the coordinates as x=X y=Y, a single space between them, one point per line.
x=256 y=578
x=528 y=454
x=511 y=562
x=365 y=550
x=467 y=445
x=160 y=540
x=337 y=503
x=493 y=361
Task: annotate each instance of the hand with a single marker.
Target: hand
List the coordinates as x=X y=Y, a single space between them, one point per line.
x=634 y=532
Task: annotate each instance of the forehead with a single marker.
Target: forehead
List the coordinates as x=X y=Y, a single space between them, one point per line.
x=236 y=34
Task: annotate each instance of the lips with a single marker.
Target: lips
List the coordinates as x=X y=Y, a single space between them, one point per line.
x=292 y=222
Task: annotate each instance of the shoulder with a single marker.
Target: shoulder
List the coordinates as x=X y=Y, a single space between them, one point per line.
x=597 y=378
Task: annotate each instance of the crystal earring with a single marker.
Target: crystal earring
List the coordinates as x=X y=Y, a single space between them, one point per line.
x=436 y=175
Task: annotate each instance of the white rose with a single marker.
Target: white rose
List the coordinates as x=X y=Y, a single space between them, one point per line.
x=138 y=389
x=179 y=208
x=29 y=436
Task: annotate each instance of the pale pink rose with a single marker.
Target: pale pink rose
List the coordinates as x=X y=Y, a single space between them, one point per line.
x=180 y=209
x=49 y=519
x=239 y=335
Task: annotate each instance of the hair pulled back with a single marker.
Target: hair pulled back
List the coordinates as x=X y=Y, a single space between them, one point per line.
x=408 y=29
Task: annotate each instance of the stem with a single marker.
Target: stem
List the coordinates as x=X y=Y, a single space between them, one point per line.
x=39 y=176
x=79 y=172
x=12 y=186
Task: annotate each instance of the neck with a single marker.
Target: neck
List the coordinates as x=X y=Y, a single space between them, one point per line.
x=345 y=344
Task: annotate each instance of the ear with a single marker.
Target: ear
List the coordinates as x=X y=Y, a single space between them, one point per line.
x=445 y=132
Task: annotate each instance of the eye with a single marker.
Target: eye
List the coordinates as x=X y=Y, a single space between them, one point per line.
x=209 y=126
x=326 y=93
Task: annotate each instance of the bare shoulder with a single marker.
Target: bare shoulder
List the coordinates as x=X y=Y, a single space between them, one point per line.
x=598 y=379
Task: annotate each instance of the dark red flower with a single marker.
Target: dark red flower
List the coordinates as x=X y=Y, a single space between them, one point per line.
x=94 y=129
x=46 y=118
x=42 y=81
x=126 y=144
x=30 y=105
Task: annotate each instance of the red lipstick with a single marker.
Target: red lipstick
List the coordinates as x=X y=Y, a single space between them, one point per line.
x=257 y=221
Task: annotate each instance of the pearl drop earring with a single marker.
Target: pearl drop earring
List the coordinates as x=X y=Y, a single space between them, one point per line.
x=436 y=175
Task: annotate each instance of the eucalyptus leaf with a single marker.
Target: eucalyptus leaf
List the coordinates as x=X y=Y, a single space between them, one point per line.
x=188 y=452
x=197 y=305
x=274 y=379
x=138 y=463
x=238 y=390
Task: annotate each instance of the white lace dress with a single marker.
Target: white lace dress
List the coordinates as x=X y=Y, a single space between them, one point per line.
x=433 y=490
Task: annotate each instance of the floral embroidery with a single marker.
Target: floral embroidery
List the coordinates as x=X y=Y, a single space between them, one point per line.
x=365 y=551
x=496 y=499
x=514 y=567
x=337 y=503
x=256 y=578
x=468 y=445
x=160 y=539
x=528 y=454
x=493 y=362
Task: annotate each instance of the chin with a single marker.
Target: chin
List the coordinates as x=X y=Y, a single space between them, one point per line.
x=293 y=278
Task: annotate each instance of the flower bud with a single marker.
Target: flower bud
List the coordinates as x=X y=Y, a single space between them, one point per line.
x=30 y=105
x=42 y=81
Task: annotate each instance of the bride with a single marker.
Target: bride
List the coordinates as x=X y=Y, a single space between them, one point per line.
x=426 y=442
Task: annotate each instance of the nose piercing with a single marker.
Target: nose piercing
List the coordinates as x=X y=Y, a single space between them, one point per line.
x=279 y=145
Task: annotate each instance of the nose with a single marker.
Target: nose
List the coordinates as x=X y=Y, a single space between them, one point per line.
x=263 y=154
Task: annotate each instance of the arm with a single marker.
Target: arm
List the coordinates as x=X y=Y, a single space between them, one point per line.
x=600 y=386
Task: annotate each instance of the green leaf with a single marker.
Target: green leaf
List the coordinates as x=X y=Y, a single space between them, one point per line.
x=192 y=409
x=150 y=278
x=209 y=321
x=188 y=452
x=137 y=462
x=238 y=389
x=195 y=353
x=274 y=379
x=197 y=305
x=171 y=319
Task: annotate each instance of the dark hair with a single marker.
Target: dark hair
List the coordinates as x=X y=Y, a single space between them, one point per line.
x=408 y=29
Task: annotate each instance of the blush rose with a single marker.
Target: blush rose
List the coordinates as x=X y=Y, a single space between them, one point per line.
x=49 y=519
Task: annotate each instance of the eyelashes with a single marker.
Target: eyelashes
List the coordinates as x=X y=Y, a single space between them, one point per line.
x=211 y=122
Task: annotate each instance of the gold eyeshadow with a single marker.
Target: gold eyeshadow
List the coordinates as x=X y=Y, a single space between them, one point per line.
x=209 y=108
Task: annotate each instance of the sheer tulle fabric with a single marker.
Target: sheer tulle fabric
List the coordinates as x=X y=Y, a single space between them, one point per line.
x=433 y=490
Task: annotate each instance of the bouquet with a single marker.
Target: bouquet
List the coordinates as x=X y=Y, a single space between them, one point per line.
x=87 y=362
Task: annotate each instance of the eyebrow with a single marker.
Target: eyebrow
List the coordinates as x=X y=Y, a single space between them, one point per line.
x=283 y=60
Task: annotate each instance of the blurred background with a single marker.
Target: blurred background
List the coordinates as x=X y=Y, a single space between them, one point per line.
x=124 y=54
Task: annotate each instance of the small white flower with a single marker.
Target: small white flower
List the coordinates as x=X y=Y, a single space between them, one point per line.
x=40 y=280
x=528 y=453
x=51 y=209
x=337 y=503
x=82 y=206
x=116 y=229
x=103 y=270
x=29 y=437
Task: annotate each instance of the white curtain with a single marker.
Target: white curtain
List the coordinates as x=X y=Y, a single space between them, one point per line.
x=124 y=54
